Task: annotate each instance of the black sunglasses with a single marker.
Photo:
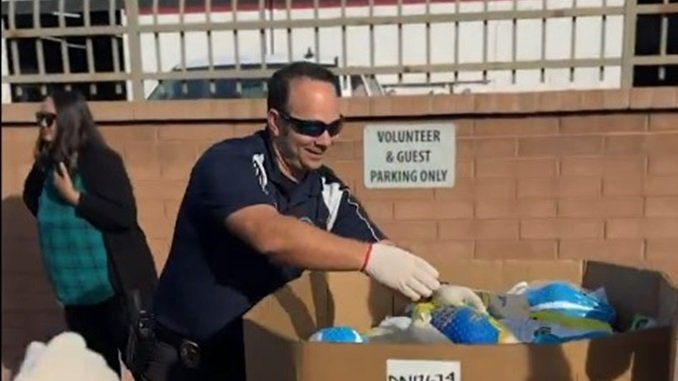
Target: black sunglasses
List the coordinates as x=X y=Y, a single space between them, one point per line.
x=47 y=117
x=313 y=128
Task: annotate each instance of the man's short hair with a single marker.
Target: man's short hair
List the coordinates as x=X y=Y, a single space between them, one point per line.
x=279 y=83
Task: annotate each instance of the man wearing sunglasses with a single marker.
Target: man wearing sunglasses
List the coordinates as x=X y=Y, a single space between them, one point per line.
x=257 y=212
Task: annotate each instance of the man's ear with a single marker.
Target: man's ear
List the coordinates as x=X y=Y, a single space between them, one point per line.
x=272 y=119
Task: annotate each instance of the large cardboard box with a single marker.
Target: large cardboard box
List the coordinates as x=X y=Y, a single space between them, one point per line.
x=276 y=329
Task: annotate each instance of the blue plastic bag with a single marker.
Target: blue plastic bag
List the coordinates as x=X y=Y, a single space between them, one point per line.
x=569 y=300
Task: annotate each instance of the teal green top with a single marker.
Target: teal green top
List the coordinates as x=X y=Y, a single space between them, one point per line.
x=73 y=250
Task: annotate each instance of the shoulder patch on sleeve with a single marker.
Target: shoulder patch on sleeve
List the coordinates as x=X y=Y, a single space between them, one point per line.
x=332 y=192
x=260 y=171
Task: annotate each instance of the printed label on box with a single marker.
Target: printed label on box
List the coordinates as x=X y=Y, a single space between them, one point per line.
x=422 y=370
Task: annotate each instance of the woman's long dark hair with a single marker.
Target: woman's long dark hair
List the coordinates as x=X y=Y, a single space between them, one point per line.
x=75 y=130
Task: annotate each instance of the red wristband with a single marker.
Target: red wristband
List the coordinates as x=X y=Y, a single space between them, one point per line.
x=367 y=258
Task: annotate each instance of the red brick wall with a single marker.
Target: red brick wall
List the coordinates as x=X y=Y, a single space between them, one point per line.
x=547 y=175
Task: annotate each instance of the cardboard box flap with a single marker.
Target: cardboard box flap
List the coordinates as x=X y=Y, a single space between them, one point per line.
x=640 y=355
x=501 y=275
x=668 y=301
x=277 y=356
x=668 y=314
x=633 y=291
x=273 y=328
x=297 y=309
x=357 y=301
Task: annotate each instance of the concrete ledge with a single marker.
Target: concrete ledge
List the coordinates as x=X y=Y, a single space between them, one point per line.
x=662 y=98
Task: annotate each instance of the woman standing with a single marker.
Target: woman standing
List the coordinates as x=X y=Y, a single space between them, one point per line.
x=94 y=252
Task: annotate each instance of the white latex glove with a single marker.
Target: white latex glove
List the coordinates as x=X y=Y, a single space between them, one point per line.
x=402 y=271
x=451 y=295
x=65 y=357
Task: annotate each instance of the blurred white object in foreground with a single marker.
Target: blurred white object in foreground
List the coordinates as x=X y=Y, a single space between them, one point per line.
x=65 y=357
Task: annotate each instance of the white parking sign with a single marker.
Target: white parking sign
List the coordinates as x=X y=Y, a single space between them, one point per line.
x=409 y=155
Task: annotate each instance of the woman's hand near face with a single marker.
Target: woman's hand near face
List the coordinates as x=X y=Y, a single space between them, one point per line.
x=64 y=185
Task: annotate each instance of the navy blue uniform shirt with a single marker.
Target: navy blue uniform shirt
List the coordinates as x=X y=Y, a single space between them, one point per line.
x=211 y=277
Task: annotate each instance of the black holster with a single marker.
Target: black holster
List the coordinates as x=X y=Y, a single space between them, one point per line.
x=140 y=339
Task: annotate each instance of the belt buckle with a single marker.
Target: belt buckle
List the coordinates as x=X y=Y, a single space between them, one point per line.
x=189 y=352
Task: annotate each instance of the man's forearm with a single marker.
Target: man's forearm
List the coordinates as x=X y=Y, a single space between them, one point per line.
x=299 y=244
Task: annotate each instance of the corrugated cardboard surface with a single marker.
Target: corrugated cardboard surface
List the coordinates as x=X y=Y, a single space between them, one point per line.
x=275 y=329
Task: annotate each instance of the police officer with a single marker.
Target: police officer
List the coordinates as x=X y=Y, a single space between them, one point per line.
x=257 y=211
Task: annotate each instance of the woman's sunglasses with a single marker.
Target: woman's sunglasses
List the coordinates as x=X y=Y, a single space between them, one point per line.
x=47 y=117
x=313 y=128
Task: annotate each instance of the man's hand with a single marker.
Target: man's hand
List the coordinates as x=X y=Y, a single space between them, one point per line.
x=401 y=270
x=64 y=185
x=65 y=357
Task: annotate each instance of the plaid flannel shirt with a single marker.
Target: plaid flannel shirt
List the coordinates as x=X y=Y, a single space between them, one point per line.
x=73 y=250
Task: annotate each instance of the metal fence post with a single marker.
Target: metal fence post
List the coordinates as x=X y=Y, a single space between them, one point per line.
x=132 y=13
x=629 y=43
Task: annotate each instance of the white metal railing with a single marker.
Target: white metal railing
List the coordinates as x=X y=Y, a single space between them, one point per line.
x=127 y=49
